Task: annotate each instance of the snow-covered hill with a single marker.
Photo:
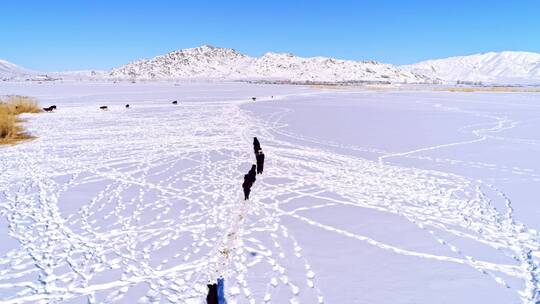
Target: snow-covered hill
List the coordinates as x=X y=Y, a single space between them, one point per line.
x=492 y=67
x=9 y=70
x=222 y=63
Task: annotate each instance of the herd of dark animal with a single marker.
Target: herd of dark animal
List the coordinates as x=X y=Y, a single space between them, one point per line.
x=106 y=108
x=250 y=177
x=215 y=291
x=103 y=108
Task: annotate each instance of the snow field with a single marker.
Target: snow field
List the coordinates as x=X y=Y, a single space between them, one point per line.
x=144 y=205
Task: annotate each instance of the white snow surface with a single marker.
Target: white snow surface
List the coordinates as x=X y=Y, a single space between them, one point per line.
x=494 y=67
x=366 y=197
x=210 y=62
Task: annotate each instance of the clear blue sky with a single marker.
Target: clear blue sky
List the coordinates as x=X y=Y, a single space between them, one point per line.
x=52 y=35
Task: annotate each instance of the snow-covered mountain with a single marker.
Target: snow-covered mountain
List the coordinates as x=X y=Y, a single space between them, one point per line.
x=9 y=70
x=492 y=67
x=207 y=62
x=222 y=63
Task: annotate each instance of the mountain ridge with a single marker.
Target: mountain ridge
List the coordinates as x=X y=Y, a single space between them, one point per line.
x=209 y=62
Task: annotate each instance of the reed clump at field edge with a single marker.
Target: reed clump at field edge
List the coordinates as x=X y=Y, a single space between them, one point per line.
x=10 y=124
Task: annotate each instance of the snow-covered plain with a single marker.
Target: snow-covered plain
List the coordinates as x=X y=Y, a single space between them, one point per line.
x=367 y=197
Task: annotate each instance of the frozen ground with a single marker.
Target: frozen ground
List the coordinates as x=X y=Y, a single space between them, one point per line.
x=367 y=197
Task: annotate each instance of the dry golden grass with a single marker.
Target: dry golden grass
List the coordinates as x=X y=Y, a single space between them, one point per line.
x=21 y=104
x=10 y=107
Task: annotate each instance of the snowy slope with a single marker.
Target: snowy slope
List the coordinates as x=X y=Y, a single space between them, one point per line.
x=221 y=63
x=492 y=67
x=9 y=70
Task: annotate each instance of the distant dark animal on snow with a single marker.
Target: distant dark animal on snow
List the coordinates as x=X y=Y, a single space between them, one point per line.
x=175 y=102
x=247 y=187
x=253 y=98
x=212 y=296
x=260 y=162
x=256 y=145
x=104 y=108
x=127 y=106
x=249 y=180
x=252 y=173
x=48 y=109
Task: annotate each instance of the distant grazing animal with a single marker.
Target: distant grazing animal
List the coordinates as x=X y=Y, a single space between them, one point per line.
x=104 y=108
x=127 y=106
x=175 y=102
x=253 y=98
